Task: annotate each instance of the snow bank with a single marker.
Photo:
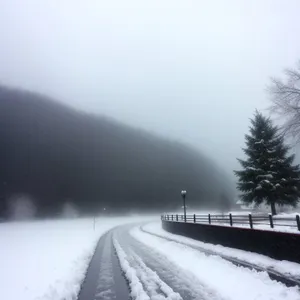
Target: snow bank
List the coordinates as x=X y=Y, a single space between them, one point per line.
x=286 y=268
x=144 y=283
x=154 y=283
x=136 y=288
x=45 y=260
x=230 y=281
x=287 y=215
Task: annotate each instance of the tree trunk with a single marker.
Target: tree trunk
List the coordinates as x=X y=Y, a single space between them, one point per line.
x=273 y=208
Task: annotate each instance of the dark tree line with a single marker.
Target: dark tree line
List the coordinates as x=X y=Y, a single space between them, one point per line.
x=57 y=155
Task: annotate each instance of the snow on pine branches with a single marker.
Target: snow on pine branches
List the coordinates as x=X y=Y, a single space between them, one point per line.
x=268 y=174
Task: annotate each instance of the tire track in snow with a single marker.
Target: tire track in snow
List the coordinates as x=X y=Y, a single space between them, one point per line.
x=105 y=286
x=185 y=284
x=157 y=282
x=136 y=288
x=104 y=278
x=145 y=284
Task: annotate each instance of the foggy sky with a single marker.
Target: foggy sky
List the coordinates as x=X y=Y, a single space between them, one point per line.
x=190 y=70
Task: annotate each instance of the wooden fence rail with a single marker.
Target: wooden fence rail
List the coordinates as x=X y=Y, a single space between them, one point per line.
x=252 y=221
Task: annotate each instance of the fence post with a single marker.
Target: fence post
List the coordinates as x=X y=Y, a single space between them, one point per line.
x=172 y=217
x=250 y=221
x=168 y=217
x=230 y=219
x=209 y=220
x=271 y=221
x=185 y=218
x=194 y=218
x=298 y=221
x=177 y=218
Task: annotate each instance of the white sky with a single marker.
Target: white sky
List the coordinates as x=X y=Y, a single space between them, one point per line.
x=190 y=70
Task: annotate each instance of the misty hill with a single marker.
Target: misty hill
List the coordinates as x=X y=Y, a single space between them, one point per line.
x=56 y=155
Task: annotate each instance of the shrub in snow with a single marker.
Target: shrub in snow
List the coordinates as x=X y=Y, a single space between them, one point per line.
x=21 y=207
x=268 y=174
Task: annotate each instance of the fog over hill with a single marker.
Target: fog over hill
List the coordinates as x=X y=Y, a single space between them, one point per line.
x=57 y=155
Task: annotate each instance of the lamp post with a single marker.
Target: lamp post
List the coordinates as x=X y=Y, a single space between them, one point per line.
x=183 y=195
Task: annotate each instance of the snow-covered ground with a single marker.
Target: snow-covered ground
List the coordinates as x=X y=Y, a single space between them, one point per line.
x=228 y=280
x=46 y=260
x=286 y=268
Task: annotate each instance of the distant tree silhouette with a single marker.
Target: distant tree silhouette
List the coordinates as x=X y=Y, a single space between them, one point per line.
x=59 y=155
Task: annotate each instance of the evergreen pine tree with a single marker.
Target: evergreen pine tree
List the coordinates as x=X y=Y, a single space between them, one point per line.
x=268 y=174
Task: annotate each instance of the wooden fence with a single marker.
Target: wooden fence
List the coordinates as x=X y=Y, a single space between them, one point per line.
x=253 y=221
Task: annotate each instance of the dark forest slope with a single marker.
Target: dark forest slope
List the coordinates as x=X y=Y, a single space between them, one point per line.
x=56 y=153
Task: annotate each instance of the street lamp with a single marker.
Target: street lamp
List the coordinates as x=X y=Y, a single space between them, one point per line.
x=183 y=195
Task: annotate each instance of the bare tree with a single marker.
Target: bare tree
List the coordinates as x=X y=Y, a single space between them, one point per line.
x=285 y=97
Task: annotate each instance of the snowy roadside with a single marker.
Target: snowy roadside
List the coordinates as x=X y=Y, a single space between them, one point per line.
x=286 y=268
x=44 y=260
x=230 y=281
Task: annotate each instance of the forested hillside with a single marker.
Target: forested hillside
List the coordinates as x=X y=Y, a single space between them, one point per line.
x=56 y=155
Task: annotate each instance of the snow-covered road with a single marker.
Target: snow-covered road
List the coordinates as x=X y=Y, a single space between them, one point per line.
x=47 y=260
x=164 y=277
x=156 y=269
x=104 y=279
